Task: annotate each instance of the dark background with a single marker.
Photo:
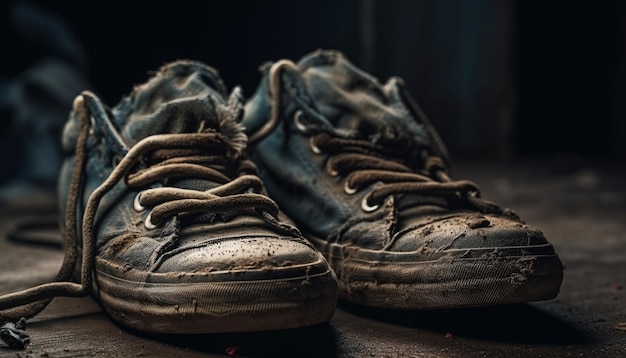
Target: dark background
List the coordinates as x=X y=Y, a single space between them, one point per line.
x=500 y=79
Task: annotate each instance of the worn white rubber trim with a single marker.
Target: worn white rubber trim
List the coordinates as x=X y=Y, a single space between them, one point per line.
x=446 y=282
x=218 y=307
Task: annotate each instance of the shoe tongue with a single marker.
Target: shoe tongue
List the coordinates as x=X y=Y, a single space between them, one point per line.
x=182 y=97
x=355 y=101
x=177 y=99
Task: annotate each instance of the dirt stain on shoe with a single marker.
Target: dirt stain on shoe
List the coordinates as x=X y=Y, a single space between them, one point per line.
x=476 y=221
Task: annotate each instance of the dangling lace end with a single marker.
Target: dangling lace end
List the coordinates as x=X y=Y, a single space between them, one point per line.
x=15 y=335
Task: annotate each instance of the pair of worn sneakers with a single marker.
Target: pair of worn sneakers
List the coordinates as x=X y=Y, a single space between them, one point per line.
x=188 y=210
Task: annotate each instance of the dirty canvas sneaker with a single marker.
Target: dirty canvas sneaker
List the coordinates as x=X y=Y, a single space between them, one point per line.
x=170 y=220
x=362 y=172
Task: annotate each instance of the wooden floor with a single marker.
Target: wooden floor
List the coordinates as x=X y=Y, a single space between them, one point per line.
x=579 y=206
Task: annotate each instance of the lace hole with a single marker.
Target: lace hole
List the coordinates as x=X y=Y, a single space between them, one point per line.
x=315 y=149
x=137 y=204
x=148 y=223
x=348 y=189
x=297 y=121
x=365 y=206
x=331 y=171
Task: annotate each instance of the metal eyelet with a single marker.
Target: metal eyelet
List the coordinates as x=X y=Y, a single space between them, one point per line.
x=315 y=149
x=137 y=205
x=365 y=206
x=348 y=189
x=148 y=222
x=298 y=123
x=331 y=171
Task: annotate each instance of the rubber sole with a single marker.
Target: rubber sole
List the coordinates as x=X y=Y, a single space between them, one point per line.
x=406 y=281
x=218 y=307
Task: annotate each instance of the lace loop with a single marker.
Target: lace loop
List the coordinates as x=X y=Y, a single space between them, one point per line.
x=346 y=162
x=178 y=170
x=422 y=188
x=275 y=88
x=217 y=204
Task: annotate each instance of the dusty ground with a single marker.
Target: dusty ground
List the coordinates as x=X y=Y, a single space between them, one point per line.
x=580 y=207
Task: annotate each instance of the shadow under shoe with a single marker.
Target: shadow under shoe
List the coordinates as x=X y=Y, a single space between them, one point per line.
x=362 y=171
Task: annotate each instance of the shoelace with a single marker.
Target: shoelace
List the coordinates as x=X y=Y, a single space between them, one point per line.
x=363 y=162
x=233 y=194
x=169 y=201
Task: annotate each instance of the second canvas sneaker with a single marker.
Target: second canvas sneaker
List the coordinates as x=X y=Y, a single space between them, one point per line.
x=362 y=172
